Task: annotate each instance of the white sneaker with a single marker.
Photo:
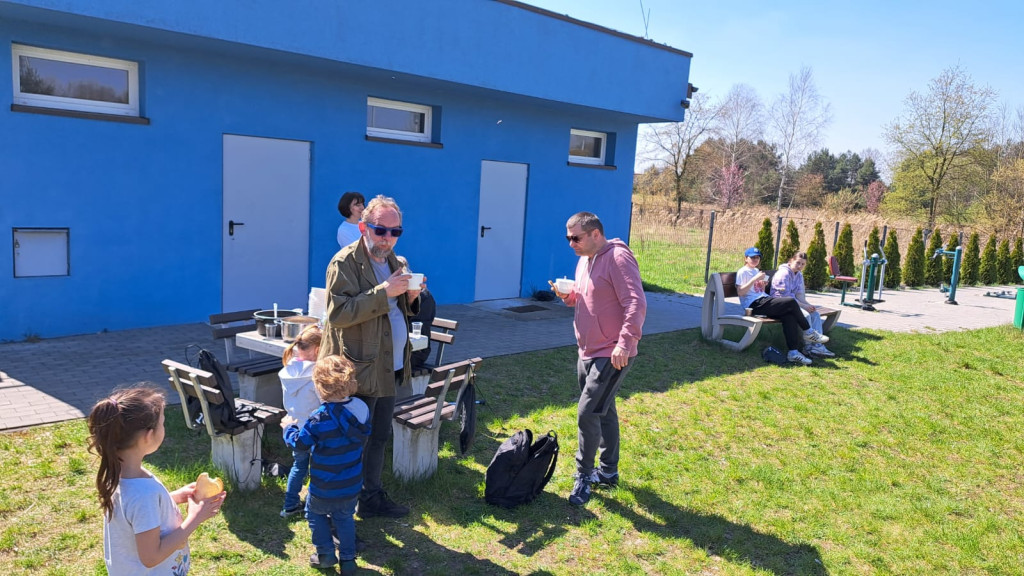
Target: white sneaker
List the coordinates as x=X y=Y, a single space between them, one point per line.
x=812 y=335
x=820 y=350
x=796 y=357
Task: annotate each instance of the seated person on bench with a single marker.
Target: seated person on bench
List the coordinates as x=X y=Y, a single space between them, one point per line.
x=750 y=285
x=788 y=281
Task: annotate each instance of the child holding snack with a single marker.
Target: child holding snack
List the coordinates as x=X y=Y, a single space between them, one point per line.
x=300 y=400
x=335 y=434
x=143 y=531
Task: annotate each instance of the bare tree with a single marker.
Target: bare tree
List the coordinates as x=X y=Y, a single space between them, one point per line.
x=940 y=129
x=797 y=120
x=672 y=144
x=740 y=119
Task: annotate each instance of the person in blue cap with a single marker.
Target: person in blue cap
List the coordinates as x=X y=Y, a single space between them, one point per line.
x=750 y=285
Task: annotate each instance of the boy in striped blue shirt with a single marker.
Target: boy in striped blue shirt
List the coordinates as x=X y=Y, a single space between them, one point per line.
x=334 y=434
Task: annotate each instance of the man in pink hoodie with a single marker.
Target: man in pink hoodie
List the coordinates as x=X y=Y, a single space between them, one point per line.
x=610 y=311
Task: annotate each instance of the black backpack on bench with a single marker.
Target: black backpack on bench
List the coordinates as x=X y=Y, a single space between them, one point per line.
x=520 y=469
x=224 y=417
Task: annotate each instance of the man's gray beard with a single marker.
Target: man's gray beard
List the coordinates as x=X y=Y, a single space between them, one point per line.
x=380 y=252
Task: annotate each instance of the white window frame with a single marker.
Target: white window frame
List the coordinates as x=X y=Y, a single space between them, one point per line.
x=586 y=159
x=61 y=102
x=427 y=112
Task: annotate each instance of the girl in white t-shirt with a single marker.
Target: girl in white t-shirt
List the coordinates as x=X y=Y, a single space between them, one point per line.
x=143 y=531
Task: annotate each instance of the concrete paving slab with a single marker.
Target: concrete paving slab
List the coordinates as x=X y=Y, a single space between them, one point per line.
x=60 y=379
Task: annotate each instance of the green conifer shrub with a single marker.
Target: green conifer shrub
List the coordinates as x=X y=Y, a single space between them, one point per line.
x=913 y=271
x=971 y=262
x=790 y=242
x=892 y=254
x=816 y=274
x=766 y=245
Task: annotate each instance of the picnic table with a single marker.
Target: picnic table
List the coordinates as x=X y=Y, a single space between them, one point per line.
x=264 y=386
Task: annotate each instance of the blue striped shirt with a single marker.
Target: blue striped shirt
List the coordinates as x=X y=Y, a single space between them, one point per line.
x=334 y=434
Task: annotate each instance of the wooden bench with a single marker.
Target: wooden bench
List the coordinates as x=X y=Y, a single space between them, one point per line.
x=238 y=451
x=442 y=333
x=417 y=419
x=257 y=373
x=713 y=318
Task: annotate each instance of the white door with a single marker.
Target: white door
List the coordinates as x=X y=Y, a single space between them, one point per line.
x=266 y=223
x=499 y=253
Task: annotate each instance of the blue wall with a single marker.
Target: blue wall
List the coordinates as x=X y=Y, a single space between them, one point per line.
x=143 y=202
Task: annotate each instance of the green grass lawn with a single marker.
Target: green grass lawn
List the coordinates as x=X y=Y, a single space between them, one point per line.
x=674 y=267
x=902 y=456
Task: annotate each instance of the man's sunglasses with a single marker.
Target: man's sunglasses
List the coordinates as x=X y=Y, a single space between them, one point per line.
x=383 y=230
x=574 y=239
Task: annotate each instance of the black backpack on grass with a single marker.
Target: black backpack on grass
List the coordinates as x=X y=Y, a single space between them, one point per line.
x=520 y=469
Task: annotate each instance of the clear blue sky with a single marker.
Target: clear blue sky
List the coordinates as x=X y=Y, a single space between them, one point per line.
x=866 y=56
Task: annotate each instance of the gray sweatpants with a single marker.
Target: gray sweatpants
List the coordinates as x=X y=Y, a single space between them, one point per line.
x=596 y=416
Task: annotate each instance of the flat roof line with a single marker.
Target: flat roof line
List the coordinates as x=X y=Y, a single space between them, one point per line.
x=585 y=24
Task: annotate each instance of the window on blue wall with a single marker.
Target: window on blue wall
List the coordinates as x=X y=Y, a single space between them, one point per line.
x=398 y=120
x=70 y=81
x=586 y=147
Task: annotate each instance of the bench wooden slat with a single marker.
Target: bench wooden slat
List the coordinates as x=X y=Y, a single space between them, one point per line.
x=229 y=317
x=445 y=324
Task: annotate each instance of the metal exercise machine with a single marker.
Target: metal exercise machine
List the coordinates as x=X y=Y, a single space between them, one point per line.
x=957 y=256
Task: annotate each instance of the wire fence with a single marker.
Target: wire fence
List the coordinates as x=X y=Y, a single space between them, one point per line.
x=677 y=250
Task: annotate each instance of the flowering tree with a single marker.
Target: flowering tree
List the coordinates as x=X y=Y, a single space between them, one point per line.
x=873 y=195
x=730 y=185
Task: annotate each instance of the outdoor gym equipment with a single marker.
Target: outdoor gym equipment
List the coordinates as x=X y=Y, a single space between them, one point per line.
x=956 y=255
x=871 y=267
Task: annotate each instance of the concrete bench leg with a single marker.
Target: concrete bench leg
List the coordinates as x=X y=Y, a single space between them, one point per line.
x=414 y=455
x=264 y=389
x=239 y=457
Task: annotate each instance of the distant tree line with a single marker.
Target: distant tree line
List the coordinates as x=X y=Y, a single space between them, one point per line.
x=956 y=157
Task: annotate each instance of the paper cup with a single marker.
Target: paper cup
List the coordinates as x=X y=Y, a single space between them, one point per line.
x=564 y=285
x=416 y=282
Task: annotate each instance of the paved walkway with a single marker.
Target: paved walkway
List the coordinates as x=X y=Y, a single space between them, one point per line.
x=60 y=379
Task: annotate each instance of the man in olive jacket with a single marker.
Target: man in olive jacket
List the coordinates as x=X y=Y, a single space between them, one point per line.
x=368 y=306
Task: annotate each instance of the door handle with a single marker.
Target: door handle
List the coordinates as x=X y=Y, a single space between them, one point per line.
x=482 y=229
x=231 y=226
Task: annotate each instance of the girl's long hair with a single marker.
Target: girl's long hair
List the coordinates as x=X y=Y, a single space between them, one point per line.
x=115 y=423
x=308 y=338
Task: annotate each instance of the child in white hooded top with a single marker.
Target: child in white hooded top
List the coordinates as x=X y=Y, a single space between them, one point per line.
x=300 y=400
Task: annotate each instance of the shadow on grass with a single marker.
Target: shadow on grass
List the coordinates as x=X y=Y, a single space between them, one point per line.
x=405 y=551
x=715 y=535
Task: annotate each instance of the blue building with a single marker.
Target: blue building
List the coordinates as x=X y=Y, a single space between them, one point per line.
x=165 y=161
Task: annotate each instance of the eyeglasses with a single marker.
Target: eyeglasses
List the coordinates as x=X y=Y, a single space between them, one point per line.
x=383 y=230
x=576 y=238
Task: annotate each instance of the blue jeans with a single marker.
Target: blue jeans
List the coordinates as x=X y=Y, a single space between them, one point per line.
x=296 y=478
x=322 y=514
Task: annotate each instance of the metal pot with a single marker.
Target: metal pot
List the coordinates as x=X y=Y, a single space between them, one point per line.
x=263 y=317
x=292 y=326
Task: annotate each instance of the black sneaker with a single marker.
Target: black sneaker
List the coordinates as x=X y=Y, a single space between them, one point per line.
x=607 y=479
x=580 y=494
x=381 y=505
x=348 y=567
x=323 y=561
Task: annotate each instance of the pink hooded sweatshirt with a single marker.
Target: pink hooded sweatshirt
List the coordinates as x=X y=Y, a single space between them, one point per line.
x=609 y=301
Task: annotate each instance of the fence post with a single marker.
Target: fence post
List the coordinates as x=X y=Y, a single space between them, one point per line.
x=778 y=240
x=711 y=236
x=835 y=238
x=885 y=234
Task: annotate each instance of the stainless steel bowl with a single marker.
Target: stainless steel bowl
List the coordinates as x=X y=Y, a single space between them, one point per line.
x=292 y=326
